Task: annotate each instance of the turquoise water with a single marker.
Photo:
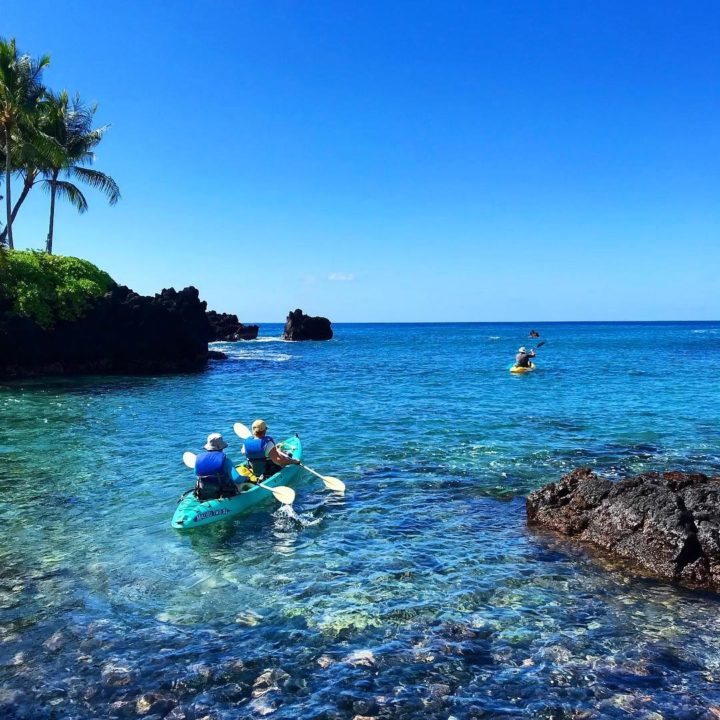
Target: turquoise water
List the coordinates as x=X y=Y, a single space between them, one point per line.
x=419 y=594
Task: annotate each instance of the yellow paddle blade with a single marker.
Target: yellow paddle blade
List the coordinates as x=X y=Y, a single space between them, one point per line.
x=241 y=431
x=189 y=459
x=282 y=493
x=333 y=483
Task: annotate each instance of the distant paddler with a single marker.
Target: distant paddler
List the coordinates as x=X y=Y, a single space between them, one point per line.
x=523 y=357
x=264 y=457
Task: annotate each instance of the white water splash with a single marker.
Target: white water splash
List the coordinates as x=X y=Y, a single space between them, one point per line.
x=286 y=514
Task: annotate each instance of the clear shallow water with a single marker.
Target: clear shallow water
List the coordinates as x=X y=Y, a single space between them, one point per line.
x=418 y=594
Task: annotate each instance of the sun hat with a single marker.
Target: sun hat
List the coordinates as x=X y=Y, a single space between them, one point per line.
x=522 y=349
x=259 y=426
x=215 y=442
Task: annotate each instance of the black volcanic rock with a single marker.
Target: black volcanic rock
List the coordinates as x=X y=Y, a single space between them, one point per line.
x=299 y=326
x=227 y=327
x=123 y=332
x=665 y=524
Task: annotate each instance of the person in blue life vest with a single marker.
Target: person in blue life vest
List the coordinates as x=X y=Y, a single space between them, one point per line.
x=215 y=471
x=264 y=457
x=522 y=359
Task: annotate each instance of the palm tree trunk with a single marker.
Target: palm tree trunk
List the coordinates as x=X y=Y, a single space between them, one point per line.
x=53 y=190
x=27 y=185
x=8 y=203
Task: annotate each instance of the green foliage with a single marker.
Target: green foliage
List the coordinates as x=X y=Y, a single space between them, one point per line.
x=49 y=288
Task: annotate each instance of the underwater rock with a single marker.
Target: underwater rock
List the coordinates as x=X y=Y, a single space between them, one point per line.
x=178 y=713
x=666 y=525
x=56 y=641
x=227 y=327
x=155 y=704
x=122 y=709
x=115 y=675
x=299 y=326
x=360 y=658
x=269 y=680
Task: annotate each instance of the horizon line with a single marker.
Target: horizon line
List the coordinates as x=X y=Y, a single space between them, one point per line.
x=491 y=322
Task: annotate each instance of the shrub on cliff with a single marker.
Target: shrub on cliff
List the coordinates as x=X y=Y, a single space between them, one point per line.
x=49 y=288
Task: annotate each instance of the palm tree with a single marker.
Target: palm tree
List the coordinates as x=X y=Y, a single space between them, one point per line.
x=26 y=163
x=20 y=90
x=69 y=123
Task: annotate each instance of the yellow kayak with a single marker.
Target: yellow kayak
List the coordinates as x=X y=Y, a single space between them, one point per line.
x=521 y=370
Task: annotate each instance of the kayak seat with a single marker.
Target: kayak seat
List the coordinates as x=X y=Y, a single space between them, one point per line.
x=212 y=487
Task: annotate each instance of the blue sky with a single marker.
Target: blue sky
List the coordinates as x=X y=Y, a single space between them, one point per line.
x=398 y=161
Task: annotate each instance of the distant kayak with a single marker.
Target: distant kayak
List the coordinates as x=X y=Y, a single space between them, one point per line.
x=191 y=512
x=522 y=370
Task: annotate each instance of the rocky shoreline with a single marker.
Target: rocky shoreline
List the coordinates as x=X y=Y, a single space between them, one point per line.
x=665 y=525
x=122 y=332
x=126 y=333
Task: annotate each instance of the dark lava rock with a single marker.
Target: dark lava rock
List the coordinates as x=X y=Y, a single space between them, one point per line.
x=123 y=332
x=299 y=326
x=665 y=524
x=227 y=327
x=216 y=355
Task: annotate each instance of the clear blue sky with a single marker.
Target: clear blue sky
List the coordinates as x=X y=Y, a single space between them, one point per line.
x=398 y=161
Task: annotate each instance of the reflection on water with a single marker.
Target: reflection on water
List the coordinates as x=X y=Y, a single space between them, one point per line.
x=418 y=593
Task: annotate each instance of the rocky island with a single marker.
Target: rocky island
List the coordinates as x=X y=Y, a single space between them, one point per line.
x=226 y=327
x=300 y=326
x=664 y=525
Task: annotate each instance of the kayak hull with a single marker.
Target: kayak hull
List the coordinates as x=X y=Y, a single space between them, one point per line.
x=522 y=370
x=192 y=513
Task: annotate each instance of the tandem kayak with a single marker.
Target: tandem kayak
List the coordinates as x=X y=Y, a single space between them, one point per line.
x=191 y=512
x=521 y=370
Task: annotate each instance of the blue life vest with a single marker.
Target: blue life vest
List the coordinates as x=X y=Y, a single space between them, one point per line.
x=210 y=464
x=213 y=480
x=255 y=452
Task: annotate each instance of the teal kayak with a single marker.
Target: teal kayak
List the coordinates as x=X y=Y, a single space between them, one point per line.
x=191 y=512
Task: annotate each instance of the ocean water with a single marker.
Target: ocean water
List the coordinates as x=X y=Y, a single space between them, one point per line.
x=417 y=594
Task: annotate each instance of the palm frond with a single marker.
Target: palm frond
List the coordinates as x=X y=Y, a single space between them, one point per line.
x=72 y=194
x=98 y=181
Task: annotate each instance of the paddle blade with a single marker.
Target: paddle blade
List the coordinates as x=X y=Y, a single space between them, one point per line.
x=333 y=483
x=189 y=459
x=284 y=494
x=540 y=344
x=241 y=431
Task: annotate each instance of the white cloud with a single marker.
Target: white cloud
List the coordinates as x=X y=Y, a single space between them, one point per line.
x=341 y=277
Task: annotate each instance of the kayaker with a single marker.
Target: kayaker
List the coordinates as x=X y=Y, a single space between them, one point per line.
x=534 y=334
x=522 y=359
x=215 y=471
x=264 y=457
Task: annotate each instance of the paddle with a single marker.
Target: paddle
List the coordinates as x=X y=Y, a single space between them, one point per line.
x=241 y=431
x=331 y=483
x=282 y=493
